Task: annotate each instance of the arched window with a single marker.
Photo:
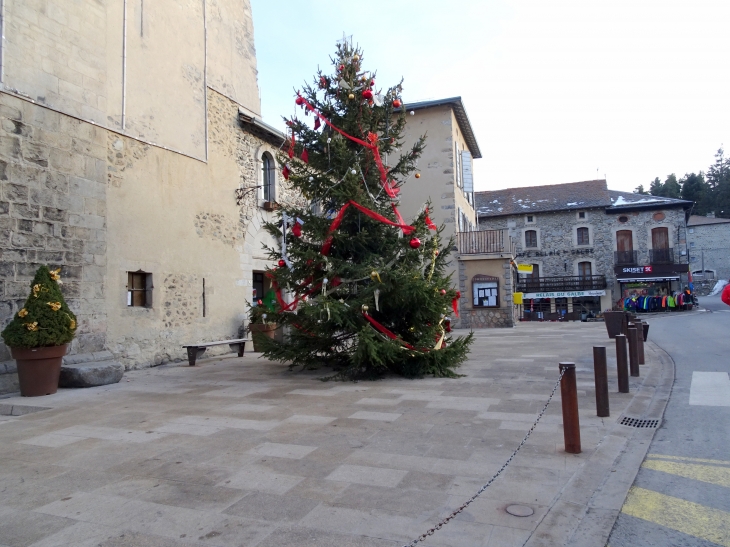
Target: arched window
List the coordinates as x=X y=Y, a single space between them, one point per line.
x=583 y=237
x=530 y=238
x=269 y=177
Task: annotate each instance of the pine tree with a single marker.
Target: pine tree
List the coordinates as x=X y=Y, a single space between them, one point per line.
x=45 y=319
x=357 y=288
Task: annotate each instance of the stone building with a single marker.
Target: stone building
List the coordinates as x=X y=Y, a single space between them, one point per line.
x=133 y=156
x=588 y=246
x=445 y=169
x=709 y=248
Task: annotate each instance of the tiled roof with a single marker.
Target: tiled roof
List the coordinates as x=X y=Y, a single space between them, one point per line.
x=533 y=199
x=629 y=200
x=699 y=220
x=462 y=119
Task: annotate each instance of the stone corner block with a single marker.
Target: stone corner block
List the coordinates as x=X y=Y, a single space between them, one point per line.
x=91 y=374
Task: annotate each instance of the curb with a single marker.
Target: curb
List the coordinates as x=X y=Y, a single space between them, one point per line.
x=585 y=511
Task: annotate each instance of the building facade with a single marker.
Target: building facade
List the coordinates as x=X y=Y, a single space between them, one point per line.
x=588 y=247
x=709 y=248
x=132 y=155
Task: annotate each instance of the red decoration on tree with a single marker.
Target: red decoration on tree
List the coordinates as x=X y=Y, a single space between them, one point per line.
x=430 y=224
x=297 y=229
x=322 y=82
x=455 y=303
x=396 y=103
x=299 y=101
x=367 y=94
x=305 y=156
x=260 y=302
x=415 y=243
x=285 y=172
x=372 y=83
x=317 y=123
x=443 y=292
x=281 y=263
x=342 y=67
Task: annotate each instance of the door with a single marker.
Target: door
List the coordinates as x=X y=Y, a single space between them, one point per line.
x=584 y=275
x=624 y=247
x=660 y=245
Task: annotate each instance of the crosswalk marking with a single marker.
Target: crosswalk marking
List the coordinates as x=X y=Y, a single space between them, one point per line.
x=677 y=514
x=704 y=473
x=709 y=389
x=688 y=459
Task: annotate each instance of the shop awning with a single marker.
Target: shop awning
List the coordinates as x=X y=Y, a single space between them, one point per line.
x=641 y=279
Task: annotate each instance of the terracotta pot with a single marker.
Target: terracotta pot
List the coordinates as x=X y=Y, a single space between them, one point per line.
x=38 y=369
x=261 y=329
x=614 y=322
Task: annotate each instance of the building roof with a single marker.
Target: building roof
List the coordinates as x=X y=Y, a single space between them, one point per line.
x=261 y=129
x=699 y=220
x=461 y=117
x=533 y=199
x=628 y=201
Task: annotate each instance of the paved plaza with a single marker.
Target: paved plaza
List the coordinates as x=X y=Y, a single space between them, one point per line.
x=244 y=452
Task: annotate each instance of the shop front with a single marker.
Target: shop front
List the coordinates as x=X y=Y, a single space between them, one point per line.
x=651 y=288
x=561 y=305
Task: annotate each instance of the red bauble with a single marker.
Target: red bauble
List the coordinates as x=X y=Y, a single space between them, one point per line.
x=396 y=103
x=281 y=263
x=443 y=292
x=260 y=302
x=322 y=82
x=342 y=67
x=297 y=229
x=415 y=243
x=367 y=94
x=299 y=101
x=372 y=83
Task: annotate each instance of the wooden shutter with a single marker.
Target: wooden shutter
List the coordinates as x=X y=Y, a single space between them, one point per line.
x=624 y=241
x=466 y=171
x=584 y=269
x=660 y=238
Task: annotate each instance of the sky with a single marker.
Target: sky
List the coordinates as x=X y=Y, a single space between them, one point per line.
x=559 y=91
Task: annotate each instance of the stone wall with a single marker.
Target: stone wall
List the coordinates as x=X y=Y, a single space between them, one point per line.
x=53 y=211
x=713 y=242
x=472 y=317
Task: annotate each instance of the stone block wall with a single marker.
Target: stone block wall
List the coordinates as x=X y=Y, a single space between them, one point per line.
x=480 y=318
x=711 y=241
x=53 y=212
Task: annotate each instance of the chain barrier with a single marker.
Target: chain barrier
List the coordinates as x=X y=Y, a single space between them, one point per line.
x=468 y=502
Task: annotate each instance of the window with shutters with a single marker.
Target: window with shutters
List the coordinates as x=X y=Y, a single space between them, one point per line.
x=268 y=178
x=583 y=236
x=139 y=289
x=457 y=162
x=529 y=219
x=584 y=270
x=530 y=238
x=485 y=291
x=467 y=175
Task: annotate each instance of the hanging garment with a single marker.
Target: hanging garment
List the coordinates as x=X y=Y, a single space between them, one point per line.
x=670 y=302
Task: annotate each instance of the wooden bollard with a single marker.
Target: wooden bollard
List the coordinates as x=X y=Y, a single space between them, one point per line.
x=622 y=364
x=601 y=379
x=633 y=351
x=569 y=395
x=640 y=341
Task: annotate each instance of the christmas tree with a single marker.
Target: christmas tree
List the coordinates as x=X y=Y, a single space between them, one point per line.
x=359 y=289
x=45 y=319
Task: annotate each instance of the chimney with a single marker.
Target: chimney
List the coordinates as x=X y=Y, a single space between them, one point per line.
x=710 y=215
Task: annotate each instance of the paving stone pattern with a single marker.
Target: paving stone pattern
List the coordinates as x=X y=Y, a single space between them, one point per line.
x=241 y=451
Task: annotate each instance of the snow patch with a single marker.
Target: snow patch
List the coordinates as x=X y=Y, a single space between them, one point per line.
x=621 y=201
x=718 y=287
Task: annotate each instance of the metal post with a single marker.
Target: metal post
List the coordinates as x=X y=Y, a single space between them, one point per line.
x=622 y=364
x=569 y=395
x=633 y=350
x=601 y=380
x=640 y=341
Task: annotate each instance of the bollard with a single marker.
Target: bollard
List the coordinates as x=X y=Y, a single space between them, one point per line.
x=569 y=395
x=601 y=379
x=640 y=341
x=622 y=364
x=633 y=351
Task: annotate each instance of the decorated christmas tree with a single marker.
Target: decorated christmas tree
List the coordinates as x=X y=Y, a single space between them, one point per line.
x=359 y=288
x=45 y=319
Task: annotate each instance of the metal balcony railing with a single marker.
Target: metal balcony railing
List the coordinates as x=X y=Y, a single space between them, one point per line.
x=562 y=283
x=628 y=258
x=485 y=242
x=661 y=256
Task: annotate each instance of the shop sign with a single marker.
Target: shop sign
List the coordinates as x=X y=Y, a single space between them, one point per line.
x=638 y=270
x=562 y=294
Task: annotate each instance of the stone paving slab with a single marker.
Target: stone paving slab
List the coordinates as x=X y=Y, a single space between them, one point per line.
x=242 y=451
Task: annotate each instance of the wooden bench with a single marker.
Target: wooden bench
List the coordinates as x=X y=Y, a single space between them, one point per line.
x=197 y=350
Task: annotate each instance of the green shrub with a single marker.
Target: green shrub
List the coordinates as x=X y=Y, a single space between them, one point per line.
x=45 y=320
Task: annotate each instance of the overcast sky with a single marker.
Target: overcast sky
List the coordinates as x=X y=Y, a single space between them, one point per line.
x=556 y=92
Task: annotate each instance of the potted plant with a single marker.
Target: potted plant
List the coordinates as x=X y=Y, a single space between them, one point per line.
x=39 y=334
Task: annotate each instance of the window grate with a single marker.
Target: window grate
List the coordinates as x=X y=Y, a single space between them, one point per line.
x=638 y=422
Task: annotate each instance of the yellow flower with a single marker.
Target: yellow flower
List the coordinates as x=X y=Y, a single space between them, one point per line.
x=31 y=326
x=22 y=313
x=55 y=306
x=73 y=324
x=36 y=289
x=56 y=274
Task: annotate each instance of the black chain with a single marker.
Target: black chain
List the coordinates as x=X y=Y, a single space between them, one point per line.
x=468 y=502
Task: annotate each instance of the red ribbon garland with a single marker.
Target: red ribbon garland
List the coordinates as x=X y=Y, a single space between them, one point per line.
x=455 y=303
x=370 y=144
x=385 y=331
x=429 y=222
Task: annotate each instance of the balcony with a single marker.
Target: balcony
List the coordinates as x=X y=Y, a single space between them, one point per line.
x=485 y=242
x=626 y=258
x=562 y=283
x=661 y=256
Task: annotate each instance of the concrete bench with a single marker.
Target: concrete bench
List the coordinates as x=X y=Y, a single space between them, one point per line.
x=197 y=350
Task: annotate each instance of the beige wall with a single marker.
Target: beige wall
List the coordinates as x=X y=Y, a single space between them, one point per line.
x=148 y=83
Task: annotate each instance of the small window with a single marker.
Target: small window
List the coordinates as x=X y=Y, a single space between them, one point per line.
x=583 y=236
x=485 y=291
x=659 y=216
x=530 y=238
x=582 y=214
x=139 y=289
x=268 y=182
x=584 y=270
x=691 y=230
x=530 y=219
x=623 y=218
x=691 y=244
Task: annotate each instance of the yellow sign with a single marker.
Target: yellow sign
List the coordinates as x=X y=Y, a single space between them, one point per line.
x=517 y=298
x=524 y=268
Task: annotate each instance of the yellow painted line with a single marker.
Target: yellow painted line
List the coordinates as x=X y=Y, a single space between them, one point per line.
x=699 y=460
x=677 y=514
x=705 y=473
